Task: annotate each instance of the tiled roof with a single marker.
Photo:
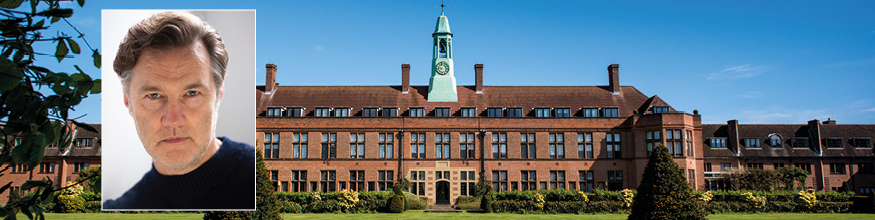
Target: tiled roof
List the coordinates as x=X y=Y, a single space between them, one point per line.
x=787 y=131
x=527 y=97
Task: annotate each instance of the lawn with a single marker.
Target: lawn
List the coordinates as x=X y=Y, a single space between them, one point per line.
x=423 y=215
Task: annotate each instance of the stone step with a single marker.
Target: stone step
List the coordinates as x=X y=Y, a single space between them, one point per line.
x=442 y=208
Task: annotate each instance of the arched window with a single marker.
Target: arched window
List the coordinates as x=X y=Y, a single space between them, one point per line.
x=775 y=140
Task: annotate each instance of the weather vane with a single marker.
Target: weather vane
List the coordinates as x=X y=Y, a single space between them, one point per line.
x=442 y=5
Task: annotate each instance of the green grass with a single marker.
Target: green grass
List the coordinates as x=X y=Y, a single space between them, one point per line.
x=423 y=215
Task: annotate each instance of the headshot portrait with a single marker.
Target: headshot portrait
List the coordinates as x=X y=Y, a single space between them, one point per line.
x=178 y=116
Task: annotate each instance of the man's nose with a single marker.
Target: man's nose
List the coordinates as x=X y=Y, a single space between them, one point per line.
x=173 y=113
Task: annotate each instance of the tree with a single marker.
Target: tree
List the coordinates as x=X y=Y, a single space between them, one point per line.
x=664 y=192
x=267 y=204
x=788 y=176
x=26 y=113
x=88 y=178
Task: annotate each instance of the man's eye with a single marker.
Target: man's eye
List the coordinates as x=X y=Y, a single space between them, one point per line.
x=193 y=93
x=153 y=95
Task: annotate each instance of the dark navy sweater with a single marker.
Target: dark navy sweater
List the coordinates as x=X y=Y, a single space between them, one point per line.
x=226 y=181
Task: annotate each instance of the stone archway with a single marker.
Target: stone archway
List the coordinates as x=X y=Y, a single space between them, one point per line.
x=442 y=192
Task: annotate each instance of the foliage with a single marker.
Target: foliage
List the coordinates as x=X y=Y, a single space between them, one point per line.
x=69 y=203
x=538 y=201
x=414 y=202
x=784 y=207
x=314 y=196
x=554 y=207
x=396 y=204
x=290 y=207
x=790 y=177
x=628 y=197
x=752 y=179
x=664 y=192
x=758 y=202
x=483 y=187
x=92 y=206
x=706 y=197
x=25 y=112
x=403 y=184
x=349 y=198
x=89 y=178
x=583 y=196
x=268 y=206
x=486 y=203
x=807 y=199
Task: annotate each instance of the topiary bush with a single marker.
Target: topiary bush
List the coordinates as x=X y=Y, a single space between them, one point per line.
x=486 y=203
x=403 y=184
x=664 y=192
x=396 y=204
x=69 y=204
x=414 y=202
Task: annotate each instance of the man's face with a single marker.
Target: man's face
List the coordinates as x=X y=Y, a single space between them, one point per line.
x=173 y=100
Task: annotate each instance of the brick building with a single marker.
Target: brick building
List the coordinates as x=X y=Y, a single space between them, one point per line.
x=59 y=166
x=443 y=137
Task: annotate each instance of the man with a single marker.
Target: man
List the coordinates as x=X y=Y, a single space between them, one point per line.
x=172 y=67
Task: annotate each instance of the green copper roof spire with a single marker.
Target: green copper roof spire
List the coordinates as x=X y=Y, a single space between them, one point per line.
x=443 y=25
x=442 y=84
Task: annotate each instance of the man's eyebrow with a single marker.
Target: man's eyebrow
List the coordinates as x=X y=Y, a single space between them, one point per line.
x=187 y=87
x=149 y=89
x=195 y=86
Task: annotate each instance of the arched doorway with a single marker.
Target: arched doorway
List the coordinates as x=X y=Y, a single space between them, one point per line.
x=442 y=192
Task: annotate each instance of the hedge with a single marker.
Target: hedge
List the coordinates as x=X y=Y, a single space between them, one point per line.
x=820 y=207
x=525 y=207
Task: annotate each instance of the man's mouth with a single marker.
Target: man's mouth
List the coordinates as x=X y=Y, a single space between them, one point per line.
x=174 y=140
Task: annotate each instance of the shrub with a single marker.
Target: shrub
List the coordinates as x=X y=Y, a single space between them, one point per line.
x=757 y=202
x=69 y=204
x=323 y=206
x=527 y=207
x=806 y=199
x=348 y=198
x=414 y=202
x=396 y=204
x=486 y=203
x=403 y=184
x=290 y=207
x=664 y=192
x=92 y=206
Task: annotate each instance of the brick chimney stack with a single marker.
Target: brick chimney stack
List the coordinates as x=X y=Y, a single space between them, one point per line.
x=478 y=77
x=405 y=78
x=614 y=78
x=271 y=78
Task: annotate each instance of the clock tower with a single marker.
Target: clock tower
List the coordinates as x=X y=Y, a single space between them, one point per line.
x=442 y=84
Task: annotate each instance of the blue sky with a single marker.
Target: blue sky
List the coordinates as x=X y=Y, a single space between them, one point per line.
x=772 y=62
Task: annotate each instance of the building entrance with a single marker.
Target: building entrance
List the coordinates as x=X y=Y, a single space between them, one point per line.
x=442 y=192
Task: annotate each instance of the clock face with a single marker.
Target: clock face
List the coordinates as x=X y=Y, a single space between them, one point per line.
x=442 y=68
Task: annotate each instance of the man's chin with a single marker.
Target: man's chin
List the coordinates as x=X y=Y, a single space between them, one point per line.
x=178 y=163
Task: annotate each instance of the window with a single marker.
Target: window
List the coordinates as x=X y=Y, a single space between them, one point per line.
x=329 y=145
x=586 y=181
x=707 y=167
x=866 y=168
x=83 y=143
x=469 y=112
x=328 y=178
x=442 y=175
x=442 y=112
x=775 y=140
x=799 y=142
x=752 y=142
x=542 y=112
x=610 y=112
x=386 y=179
x=387 y=148
x=341 y=112
x=499 y=180
x=274 y=112
x=323 y=112
x=417 y=145
x=778 y=165
x=860 y=142
x=442 y=145
x=299 y=145
x=499 y=145
x=466 y=145
x=725 y=167
x=467 y=183
x=47 y=167
x=804 y=166
x=674 y=141
x=837 y=168
x=299 y=181
x=390 y=112
x=660 y=109
x=689 y=139
x=529 y=180
x=369 y=112
x=557 y=179
x=20 y=168
x=833 y=142
x=78 y=166
x=563 y=112
x=755 y=166
x=271 y=145
x=514 y=112
x=417 y=112
x=652 y=139
x=557 y=145
x=417 y=186
x=274 y=175
x=590 y=112
x=615 y=180
x=494 y=112
x=527 y=145
x=584 y=146
x=295 y=111
x=718 y=142
x=613 y=145
x=285 y=187
x=356 y=145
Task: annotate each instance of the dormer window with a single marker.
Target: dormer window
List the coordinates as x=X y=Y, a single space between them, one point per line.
x=861 y=142
x=274 y=112
x=323 y=112
x=341 y=112
x=590 y=112
x=416 y=112
x=390 y=112
x=660 y=109
x=563 y=112
x=294 y=111
x=442 y=112
x=495 y=112
x=610 y=112
x=469 y=112
x=369 y=112
x=542 y=112
x=515 y=112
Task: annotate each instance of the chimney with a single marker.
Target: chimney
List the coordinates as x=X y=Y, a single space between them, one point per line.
x=829 y=121
x=405 y=78
x=271 y=78
x=732 y=132
x=814 y=133
x=614 y=78
x=478 y=77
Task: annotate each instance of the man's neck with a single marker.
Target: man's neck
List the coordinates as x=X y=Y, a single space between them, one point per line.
x=167 y=170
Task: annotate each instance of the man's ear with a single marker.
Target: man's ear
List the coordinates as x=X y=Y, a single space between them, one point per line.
x=127 y=104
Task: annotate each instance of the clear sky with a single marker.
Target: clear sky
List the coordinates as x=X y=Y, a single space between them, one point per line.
x=764 y=62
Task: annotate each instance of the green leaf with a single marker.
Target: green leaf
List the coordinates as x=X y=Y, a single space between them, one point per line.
x=96 y=56
x=96 y=88
x=10 y=75
x=39 y=69
x=33 y=4
x=40 y=23
x=57 y=12
x=55 y=19
x=87 y=127
x=33 y=183
x=80 y=70
x=73 y=45
x=11 y=4
x=80 y=77
x=61 y=50
x=18 y=56
x=81 y=3
x=59 y=89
